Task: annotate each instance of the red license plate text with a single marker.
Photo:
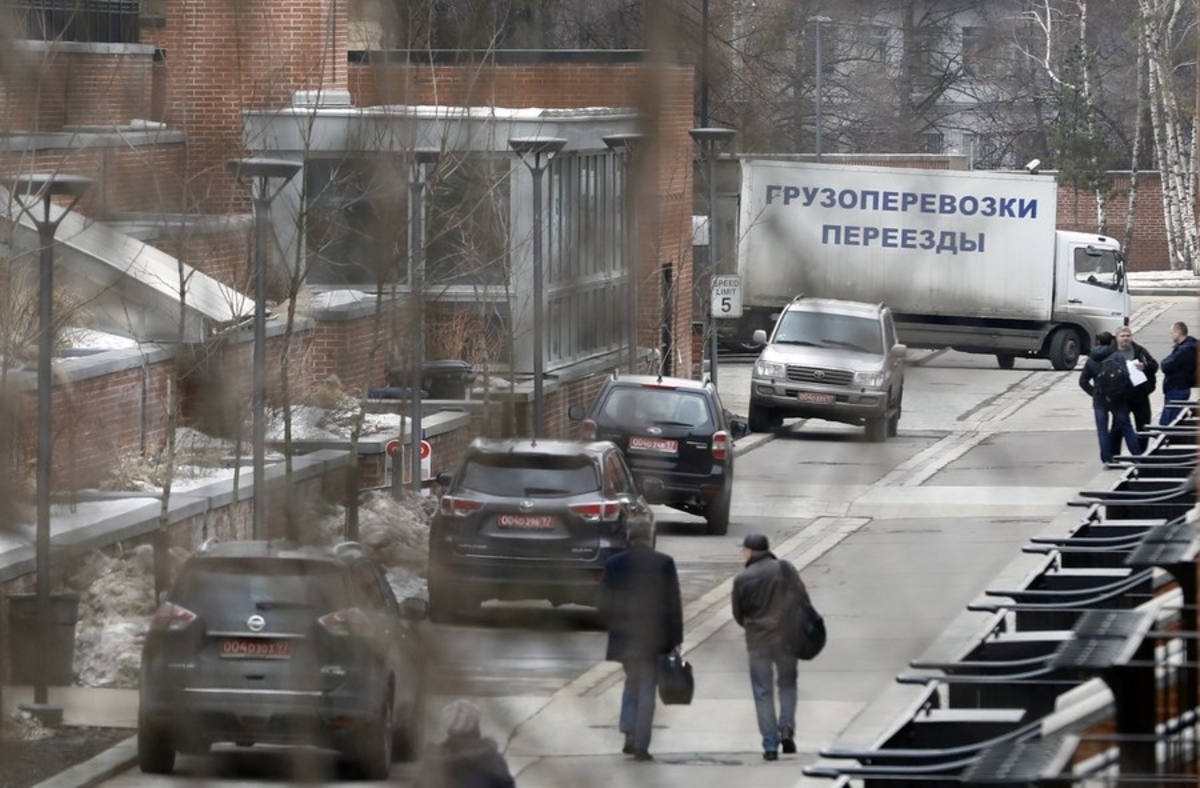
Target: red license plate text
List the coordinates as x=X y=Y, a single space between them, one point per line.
x=814 y=398
x=663 y=445
x=526 y=522
x=255 y=648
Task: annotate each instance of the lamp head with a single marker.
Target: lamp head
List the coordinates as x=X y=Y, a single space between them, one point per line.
x=262 y=167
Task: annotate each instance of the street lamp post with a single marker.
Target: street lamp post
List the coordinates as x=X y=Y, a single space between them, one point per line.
x=625 y=146
x=820 y=67
x=536 y=153
x=260 y=171
x=709 y=139
x=45 y=186
x=422 y=159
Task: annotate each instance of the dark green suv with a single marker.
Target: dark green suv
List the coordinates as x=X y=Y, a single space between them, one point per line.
x=268 y=642
x=676 y=437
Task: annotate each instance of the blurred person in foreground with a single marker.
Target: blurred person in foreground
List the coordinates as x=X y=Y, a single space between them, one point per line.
x=643 y=607
x=466 y=759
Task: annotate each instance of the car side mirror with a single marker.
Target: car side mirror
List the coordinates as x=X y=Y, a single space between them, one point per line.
x=444 y=478
x=759 y=337
x=738 y=428
x=414 y=608
x=899 y=350
x=652 y=488
x=576 y=413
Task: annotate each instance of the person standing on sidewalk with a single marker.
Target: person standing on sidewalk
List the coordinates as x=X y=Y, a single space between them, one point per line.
x=761 y=593
x=1179 y=371
x=1111 y=409
x=643 y=607
x=1139 y=398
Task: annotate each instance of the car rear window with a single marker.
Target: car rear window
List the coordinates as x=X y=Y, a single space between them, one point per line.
x=831 y=330
x=252 y=584
x=531 y=476
x=648 y=405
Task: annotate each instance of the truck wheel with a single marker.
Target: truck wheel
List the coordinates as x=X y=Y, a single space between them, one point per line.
x=760 y=419
x=877 y=429
x=1005 y=360
x=1065 y=347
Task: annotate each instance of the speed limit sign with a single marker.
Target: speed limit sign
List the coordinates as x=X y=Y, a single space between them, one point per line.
x=727 y=296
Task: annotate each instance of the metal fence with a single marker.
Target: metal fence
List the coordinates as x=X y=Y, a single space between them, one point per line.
x=89 y=21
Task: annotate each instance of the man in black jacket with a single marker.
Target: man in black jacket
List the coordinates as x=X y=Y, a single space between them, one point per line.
x=1179 y=371
x=643 y=607
x=1104 y=409
x=1139 y=398
x=761 y=594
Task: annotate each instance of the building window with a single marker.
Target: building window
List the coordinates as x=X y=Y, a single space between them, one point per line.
x=585 y=270
x=91 y=21
x=346 y=239
x=468 y=221
x=973 y=54
x=874 y=43
x=933 y=142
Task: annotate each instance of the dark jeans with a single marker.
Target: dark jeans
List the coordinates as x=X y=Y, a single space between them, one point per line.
x=772 y=668
x=1169 y=412
x=1139 y=409
x=1120 y=422
x=637 y=701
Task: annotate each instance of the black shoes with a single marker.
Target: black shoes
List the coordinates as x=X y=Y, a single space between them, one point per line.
x=642 y=755
x=787 y=741
x=770 y=755
x=628 y=749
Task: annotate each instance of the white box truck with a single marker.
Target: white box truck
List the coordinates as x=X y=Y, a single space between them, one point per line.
x=969 y=260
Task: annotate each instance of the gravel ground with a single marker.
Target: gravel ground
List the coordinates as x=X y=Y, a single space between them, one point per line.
x=30 y=753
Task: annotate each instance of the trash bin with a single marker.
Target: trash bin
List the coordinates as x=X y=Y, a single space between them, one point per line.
x=59 y=654
x=446 y=378
x=443 y=379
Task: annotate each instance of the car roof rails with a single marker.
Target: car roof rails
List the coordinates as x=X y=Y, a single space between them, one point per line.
x=208 y=544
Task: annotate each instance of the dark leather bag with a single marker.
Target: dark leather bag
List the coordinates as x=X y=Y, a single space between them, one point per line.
x=804 y=628
x=676 y=684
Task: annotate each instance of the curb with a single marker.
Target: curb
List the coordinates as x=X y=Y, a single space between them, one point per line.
x=116 y=759
x=1163 y=291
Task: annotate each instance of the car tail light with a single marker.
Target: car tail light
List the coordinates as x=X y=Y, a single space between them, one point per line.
x=598 y=512
x=343 y=623
x=720 y=445
x=171 y=618
x=588 y=429
x=458 y=507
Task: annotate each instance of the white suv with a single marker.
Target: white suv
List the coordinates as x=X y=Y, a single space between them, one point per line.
x=829 y=359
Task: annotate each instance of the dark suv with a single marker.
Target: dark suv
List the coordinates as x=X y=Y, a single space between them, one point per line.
x=524 y=519
x=274 y=643
x=677 y=439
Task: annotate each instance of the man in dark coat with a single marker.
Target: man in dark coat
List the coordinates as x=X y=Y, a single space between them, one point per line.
x=465 y=759
x=1139 y=398
x=644 y=610
x=1179 y=371
x=1104 y=410
x=761 y=593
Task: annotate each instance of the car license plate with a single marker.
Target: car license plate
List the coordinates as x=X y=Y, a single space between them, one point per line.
x=661 y=445
x=814 y=398
x=255 y=648
x=526 y=522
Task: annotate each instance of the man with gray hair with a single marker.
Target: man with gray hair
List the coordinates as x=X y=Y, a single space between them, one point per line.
x=465 y=759
x=643 y=607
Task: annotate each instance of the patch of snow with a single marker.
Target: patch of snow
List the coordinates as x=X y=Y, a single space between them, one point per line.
x=89 y=339
x=332 y=298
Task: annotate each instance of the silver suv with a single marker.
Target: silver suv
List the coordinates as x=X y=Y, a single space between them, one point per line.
x=829 y=359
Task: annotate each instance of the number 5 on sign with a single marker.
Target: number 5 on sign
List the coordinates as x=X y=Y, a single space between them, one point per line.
x=727 y=296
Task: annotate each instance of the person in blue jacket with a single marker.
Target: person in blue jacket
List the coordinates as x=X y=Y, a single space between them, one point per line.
x=642 y=604
x=1179 y=371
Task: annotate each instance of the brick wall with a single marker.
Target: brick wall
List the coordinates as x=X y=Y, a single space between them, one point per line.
x=1148 y=247
x=223 y=56
x=98 y=419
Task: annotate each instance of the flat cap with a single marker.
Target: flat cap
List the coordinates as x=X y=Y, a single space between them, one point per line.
x=756 y=542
